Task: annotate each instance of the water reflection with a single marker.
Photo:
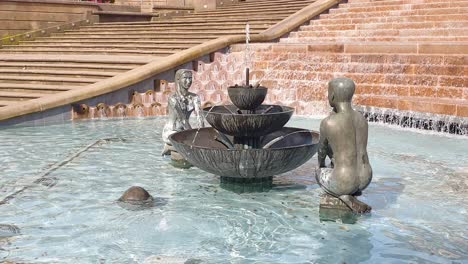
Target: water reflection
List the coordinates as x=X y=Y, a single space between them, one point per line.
x=250 y=185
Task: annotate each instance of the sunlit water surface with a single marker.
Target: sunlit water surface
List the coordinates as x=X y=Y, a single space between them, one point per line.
x=418 y=194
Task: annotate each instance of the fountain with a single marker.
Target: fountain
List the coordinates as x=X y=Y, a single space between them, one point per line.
x=247 y=141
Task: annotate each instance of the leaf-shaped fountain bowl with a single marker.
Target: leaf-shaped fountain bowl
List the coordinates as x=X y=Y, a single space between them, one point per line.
x=295 y=147
x=247 y=97
x=265 y=120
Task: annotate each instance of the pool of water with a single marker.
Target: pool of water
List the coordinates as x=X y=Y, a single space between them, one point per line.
x=418 y=194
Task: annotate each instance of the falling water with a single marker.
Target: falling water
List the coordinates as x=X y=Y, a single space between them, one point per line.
x=92 y=112
x=247 y=52
x=147 y=98
x=139 y=111
x=101 y=112
x=203 y=116
x=121 y=111
x=273 y=141
x=416 y=120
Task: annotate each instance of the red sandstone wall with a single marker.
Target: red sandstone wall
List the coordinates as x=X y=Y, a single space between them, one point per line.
x=297 y=76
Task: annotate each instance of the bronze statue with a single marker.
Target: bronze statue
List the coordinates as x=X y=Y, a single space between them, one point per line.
x=343 y=138
x=181 y=104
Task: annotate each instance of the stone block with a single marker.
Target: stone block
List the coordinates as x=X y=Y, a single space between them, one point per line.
x=334 y=210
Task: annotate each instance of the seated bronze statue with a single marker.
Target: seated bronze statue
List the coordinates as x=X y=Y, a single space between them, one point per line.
x=343 y=138
x=181 y=104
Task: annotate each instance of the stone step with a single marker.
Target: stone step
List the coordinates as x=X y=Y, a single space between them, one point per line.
x=81 y=51
x=269 y=55
x=81 y=73
x=381 y=26
x=36 y=88
x=393 y=20
x=107 y=41
x=418 y=104
x=418 y=12
x=174 y=33
x=259 y=4
x=168 y=30
x=405 y=7
x=185 y=24
x=66 y=66
x=64 y=46
x=178 y=38
x=289 y=69
x=437 y=32
x=249 y=10
x=18 y=96
x=422 y=80
x=104 y=59
x=6 y=103
x=235 y=14
x=157 y=29
x=367 y=47
x=185 y=20
x=394 y=2
x=306 y=90
x=24 y=79
x=418 y=39
x=411 y=90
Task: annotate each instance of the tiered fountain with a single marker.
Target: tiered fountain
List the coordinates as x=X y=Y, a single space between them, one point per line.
x=247 y=142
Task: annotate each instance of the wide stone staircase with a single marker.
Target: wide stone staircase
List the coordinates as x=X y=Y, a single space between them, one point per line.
x=77 y=58
x=409 y=55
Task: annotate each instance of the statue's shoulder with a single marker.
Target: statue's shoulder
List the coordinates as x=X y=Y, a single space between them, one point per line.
x=359 y=116
x=172 y=98
x=325 y=123
x=192 y=95
x=330 y=118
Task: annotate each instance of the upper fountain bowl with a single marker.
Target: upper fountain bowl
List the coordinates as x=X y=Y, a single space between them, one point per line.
x=267 y=119
x=247 y=97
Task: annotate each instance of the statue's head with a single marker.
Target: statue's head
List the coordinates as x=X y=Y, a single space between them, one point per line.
x=340 y=90
x=183 y=80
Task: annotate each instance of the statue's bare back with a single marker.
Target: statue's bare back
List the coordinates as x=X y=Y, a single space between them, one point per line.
x=343 y=138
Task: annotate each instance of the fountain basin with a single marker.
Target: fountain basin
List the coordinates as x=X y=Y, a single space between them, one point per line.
x=213 y=157
x=247 y=97
x=224 y=119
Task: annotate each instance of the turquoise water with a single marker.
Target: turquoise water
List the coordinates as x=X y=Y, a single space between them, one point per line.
x=418 y=195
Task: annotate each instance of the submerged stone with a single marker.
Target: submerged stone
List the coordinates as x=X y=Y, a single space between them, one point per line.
x=136 y=194
x=178 y=161
x=334 y=210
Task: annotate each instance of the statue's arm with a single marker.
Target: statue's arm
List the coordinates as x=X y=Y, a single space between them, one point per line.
x=172 y=112
x=323 y=145
x=197 y=110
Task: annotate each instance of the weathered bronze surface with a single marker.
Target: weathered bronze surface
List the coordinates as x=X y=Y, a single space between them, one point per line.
x=343 y=138
x=225 y=119
x=181 y=104
x=247 y=98
x=212 y=156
